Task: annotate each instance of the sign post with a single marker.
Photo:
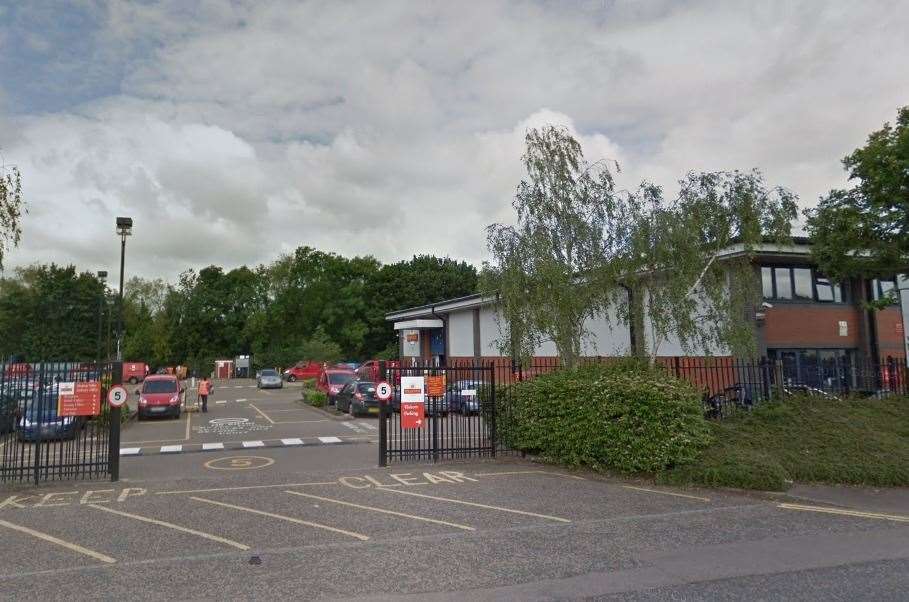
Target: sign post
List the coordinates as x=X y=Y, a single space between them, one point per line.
x=413 y=402
x=384 y=392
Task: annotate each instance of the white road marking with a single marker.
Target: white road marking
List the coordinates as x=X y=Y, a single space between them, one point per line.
x=298 y=521
x=369 y=426
x=220 y=402
x=239 y=400
x=845 y=512
x=171 y=449
x=354 y=427
x=161 y=523
x=263 y=414
x=130 y=451
x=382 y=510
x=685 y=495
x=445 y=499
x=329 y=440
x=59 y=542
x=212 y=446
x=293 y=441
x=253 y=444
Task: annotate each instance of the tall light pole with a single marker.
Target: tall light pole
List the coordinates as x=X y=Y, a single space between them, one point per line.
x=102 y=276
x=124 y=229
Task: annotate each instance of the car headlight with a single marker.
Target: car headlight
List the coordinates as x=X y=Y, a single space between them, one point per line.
x=143 y=401
x=175 y=399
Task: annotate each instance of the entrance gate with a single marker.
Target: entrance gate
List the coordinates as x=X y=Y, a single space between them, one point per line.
x=36 y=444
x=459 y=415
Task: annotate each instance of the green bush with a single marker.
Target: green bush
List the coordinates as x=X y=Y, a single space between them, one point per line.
x=309 y=384
x=316 y=398
x=624 y=415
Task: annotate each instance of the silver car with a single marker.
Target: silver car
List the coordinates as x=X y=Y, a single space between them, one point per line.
x=269 y=379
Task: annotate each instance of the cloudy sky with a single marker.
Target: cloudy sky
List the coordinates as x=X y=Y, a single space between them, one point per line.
x=235 y=131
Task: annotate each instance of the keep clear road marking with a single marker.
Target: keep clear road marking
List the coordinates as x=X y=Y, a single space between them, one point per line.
x=445 y=499
x=329 y=440
x=382 y=510
x=263 y=414
x=290 y=519
x=161 y=523
x=59 y=542
x=844 y=512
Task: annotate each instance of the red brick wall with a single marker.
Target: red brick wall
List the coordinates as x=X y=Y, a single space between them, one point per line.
x=811 y=325
x=890 y=332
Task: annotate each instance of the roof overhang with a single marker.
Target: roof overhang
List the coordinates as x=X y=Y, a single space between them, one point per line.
x=443 y=307
x=415 y=324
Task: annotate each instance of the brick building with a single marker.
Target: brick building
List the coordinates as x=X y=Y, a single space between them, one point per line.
x=815 y=327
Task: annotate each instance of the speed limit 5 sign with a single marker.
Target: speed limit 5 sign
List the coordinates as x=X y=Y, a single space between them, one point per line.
x=116 y=397
x=383 y=391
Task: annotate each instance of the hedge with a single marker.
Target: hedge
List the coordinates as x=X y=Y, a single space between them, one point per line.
x=626 y=416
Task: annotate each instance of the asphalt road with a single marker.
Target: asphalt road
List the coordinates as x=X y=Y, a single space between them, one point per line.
x=320 y=521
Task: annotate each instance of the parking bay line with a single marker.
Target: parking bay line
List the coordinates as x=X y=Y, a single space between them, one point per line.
x=264 y=415
x=516 y=472
x=845 y=512
x=672 y=493
x=466 y=503
x=382 y=510
x=59 y=542
x=162 y=523
x=245 y=487
x=290 y=519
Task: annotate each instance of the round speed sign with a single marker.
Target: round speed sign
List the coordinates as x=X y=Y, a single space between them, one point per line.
x=117 y=397
x=383 y=391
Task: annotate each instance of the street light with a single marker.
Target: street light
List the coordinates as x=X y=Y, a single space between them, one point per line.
x=102 y=276
x=124 y=229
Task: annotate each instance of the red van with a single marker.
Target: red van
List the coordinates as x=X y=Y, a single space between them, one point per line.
x=160 y=396
x=134 y=372
x=332 y=380
x=303 y=370
x=369 y=371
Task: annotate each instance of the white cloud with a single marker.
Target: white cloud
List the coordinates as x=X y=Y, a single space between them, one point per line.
x=241 y=130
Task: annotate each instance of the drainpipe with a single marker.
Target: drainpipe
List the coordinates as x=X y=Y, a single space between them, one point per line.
x=632 y=321
x=432 y=311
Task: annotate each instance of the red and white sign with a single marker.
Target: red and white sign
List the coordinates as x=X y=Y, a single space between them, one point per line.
x=116 y=397
x=413 y=402
x=79 y=399
x=383 y=391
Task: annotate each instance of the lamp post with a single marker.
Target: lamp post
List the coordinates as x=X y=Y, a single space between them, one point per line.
x=124 y=229
x=102 y=276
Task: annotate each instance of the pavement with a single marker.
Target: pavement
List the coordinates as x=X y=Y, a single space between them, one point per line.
x=323 y=522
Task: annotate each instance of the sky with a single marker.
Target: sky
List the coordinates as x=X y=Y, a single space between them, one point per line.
x=233 y=131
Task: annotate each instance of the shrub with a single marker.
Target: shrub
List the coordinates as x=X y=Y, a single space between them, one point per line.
x=316 y=398
x=309 y=384
x=623 y=415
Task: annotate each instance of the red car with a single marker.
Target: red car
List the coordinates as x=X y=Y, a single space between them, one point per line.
x=160 y=396
x=303 y=370
x=134 y=372
x=332 y=380
x=370 y=371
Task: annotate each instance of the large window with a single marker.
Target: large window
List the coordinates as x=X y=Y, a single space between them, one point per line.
x=883 y=287
x=798 y=283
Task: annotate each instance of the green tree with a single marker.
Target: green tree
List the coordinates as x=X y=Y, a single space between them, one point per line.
x=864 y=231
x=11 y=208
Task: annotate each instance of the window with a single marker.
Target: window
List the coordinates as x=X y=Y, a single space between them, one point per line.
x=883 y=287
x=803 y=284
x=828 y=369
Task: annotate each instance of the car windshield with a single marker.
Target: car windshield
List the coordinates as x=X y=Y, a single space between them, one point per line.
x=366 y=387
x=46 y=410
x=160 y=386
x=340 y=378
x=269 y=373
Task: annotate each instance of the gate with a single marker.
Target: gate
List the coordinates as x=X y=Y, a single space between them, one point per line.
x=459 y=415
x=36 y=443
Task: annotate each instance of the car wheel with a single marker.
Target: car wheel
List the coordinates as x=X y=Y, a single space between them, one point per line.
x=291 y=378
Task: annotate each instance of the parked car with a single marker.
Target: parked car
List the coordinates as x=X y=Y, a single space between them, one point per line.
x=269 y=379
x=134 y=372
x=358 y=398
x=40 y=422
x=303 y=371
x=463 y=396
x=159 y=396
x=332 y=380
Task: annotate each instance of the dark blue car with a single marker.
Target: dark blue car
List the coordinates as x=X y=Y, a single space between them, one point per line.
x=39 y=420
x=463 y=396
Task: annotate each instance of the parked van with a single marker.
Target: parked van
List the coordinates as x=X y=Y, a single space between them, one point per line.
x=134 y=372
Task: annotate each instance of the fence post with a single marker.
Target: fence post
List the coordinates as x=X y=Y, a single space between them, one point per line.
x=765 y=378
x=778 y=377
x=493 y=434
x=677 y=365
x=113 y=451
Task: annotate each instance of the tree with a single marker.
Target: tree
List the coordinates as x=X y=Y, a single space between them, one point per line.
x=581 y=249
x=864 y=231
x=549 y=268
x=11 y=208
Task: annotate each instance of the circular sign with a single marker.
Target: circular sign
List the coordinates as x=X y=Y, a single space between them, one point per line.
x=383 y=391
x=117 y=396
x=239 y=463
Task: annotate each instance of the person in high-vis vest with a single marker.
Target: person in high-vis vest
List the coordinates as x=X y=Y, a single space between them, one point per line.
x=205 y=390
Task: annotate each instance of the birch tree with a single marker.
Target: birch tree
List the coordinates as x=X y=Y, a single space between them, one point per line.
x=11 y=209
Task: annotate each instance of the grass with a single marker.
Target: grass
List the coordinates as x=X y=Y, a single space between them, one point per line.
x=862 y=442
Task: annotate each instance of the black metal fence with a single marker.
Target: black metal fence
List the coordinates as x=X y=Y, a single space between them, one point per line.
x=37 y=443
x=458 y=415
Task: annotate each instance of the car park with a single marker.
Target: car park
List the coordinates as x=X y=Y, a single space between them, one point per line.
x=332 y=380
x=269 y=379
x=463 y=396
x=358 y=398
x=303 y=370
x=159 y=396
